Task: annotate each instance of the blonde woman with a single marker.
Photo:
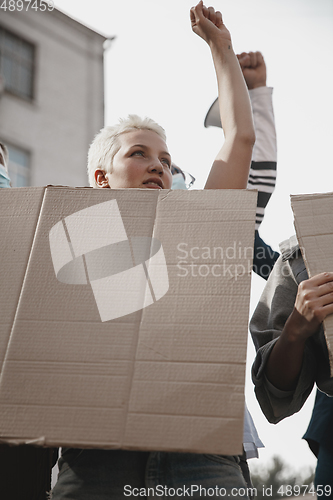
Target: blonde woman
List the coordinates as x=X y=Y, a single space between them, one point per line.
x=134 y=154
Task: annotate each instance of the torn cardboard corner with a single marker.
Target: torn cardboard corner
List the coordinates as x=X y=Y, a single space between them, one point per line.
x=314 y=230
x=124 y=317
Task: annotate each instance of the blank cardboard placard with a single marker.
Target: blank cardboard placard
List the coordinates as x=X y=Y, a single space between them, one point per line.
x=128 y=318
x=314 y=228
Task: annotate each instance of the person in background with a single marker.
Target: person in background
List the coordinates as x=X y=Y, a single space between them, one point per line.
x=4 y=176
x=319 y=434
x=320 y=431
x=134 y=154
x=262 y=177
x=264 y=156
x=181 y=179
x=288 y=334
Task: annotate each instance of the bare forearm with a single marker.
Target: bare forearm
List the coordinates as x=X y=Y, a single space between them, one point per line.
x=231 y=167
x=234 y=101
x=314 y=302
x=285 y=361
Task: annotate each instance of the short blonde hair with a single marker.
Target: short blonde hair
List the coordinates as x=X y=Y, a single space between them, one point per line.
x=106 y=145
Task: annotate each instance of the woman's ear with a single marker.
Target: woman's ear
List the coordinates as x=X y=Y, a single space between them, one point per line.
x=101 y=179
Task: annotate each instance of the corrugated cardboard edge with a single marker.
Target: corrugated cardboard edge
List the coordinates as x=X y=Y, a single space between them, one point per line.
x=296 y=198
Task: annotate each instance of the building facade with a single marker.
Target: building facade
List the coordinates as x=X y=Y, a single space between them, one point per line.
x=51 y=96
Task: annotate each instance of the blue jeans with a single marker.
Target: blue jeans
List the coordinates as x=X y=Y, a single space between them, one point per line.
x=117 y=474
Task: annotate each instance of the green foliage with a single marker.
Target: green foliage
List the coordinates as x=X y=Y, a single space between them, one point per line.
x=277 y=480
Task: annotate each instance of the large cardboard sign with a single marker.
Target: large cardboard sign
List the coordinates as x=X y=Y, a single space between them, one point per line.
x=314 y=230
x=124 y=317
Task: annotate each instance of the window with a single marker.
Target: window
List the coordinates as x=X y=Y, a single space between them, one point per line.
x=16 y=64
x=18 y=168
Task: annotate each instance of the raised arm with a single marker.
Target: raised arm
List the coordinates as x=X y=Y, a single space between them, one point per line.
x=230 y=169
x=264 y=156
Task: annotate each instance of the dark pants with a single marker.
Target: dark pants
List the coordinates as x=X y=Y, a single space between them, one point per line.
x=25 y=472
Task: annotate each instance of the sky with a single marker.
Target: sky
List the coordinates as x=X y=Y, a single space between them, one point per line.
x=157 y=67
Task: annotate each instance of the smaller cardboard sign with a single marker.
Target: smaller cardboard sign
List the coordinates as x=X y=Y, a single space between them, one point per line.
x=125 y=317
x=314 y=229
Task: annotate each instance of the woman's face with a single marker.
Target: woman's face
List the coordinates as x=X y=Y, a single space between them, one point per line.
x=143 y=161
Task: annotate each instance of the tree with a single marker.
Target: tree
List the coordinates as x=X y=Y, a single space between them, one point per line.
x=277 y=480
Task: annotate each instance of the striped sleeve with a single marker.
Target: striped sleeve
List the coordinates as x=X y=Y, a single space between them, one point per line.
x=264 y=157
